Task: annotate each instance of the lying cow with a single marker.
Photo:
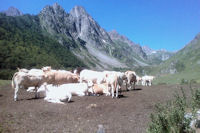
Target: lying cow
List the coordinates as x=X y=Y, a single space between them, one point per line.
x=33 y=78
x=58 y=77
x=100 y=89
x=61 y=93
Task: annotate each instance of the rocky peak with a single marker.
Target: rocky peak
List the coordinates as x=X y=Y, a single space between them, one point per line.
x=54 y=9
x=55 y=20
x=116 y=36
x=78 y=11
x=57 y=8
x=12 y=11
x=88 y=29
x=148 y=50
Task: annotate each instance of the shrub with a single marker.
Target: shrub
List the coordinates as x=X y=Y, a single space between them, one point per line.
x=170 y=118
x=184 y=81
x=179 y=66
x=195 y=98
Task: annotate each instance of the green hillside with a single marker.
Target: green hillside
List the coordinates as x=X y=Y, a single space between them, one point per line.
x=23 y=44
x=184 y=66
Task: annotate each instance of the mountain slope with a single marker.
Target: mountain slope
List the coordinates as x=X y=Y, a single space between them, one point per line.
x=24 y=45
x=184 y=64
x=129 y=49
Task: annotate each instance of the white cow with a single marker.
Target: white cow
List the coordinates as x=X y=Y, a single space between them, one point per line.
x=147 y=80
x=139 y=80
x=90 y=75
x=33 y=78
x=58 y=94
x=131 y=77
x=121 y=77
x=112 y=81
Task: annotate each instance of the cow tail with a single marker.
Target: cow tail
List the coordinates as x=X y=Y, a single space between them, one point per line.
x=13 y=83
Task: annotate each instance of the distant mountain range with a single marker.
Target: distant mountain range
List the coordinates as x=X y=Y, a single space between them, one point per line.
x=98 y=49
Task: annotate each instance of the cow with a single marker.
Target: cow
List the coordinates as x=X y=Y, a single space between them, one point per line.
x=139 y=80
x=90 y=75
x=100 y=89
x=23 y=80
x=131 y=79
x=112 y=81
x=121 y=78
x=58 y=77
x=147 y=80
x=77 y=70
x=61 y=93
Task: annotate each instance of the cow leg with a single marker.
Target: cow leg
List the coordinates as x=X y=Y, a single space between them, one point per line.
x=69 y=97
x=127 y=87
x=16 y=91
x=117 y=89
x=134 y=86
x=55 y=101
x=36 y=94
x=112 y=89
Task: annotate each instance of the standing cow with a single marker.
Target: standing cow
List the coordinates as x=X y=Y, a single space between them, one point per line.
x=131 y=79
x=23 y=80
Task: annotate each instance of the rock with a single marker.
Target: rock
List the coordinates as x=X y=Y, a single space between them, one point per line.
x=100 y=129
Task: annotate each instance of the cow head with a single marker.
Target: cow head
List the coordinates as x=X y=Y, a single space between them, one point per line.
x=47 y=68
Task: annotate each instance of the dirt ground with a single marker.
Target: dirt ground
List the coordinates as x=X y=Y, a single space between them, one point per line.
x=128 y=114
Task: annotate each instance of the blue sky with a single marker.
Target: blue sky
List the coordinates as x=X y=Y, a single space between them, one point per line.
x=159 y=24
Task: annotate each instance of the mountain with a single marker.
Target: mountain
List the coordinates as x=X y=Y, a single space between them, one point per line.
x=156 y=57
x=184 y=65
x=70 y=39
x=135 y=47
x=12 y=11
x=99 y=46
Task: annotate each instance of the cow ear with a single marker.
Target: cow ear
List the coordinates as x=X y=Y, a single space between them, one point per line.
x=18 y=68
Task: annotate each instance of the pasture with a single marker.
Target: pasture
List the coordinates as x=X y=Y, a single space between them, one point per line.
x=127 y=114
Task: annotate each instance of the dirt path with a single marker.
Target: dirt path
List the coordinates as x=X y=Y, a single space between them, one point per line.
x=128 y=114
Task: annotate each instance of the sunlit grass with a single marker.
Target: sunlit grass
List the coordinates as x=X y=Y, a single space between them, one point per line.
x=4 y=82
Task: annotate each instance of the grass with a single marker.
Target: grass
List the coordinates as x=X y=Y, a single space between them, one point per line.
x=4 y=82
x=187 y=75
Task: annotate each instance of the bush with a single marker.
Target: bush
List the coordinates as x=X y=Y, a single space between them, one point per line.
x=195 y=99
x=170 y=118
x=184 y=81
x=179 y=66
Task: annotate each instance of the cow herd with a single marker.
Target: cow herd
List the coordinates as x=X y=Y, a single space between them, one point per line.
x=60 y=85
